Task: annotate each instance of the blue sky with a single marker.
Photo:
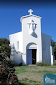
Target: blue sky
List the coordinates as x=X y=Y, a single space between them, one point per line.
x=12 y=11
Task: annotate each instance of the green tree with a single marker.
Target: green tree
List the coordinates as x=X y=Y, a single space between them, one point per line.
x=54 y=47
x=52 y=43
x=4 y=46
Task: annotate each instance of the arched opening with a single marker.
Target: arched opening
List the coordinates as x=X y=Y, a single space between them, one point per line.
x=31 y=53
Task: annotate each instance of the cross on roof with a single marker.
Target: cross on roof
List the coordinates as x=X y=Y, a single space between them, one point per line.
x=30 y=11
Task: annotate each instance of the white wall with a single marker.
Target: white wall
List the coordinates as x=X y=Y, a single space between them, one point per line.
x=46 y=43
x=14 y=38
x=27 y=38
x=51 y=53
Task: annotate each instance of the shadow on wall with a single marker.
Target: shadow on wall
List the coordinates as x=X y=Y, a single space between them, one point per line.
x=17 y=58
x=23 y=63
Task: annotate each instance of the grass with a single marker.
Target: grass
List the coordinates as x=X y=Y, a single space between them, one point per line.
x=33 y=75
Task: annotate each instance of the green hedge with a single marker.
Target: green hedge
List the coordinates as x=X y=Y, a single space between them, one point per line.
x=54 y=63
x=42 y=64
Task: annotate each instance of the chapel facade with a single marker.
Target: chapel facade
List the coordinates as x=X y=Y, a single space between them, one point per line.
x=32 y=45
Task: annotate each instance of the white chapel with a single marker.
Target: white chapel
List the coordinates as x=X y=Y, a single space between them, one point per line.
x=31 y=45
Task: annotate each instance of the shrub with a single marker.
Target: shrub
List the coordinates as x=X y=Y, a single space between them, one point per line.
x=54 y=63
x=48 y=65
x=7 y=73
x=20 y=64
x=11 y=63
x=42 y=64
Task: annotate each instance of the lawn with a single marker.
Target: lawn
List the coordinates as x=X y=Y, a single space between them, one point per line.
x=33 y=75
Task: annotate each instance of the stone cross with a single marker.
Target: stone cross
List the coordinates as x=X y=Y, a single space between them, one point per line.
x=30 y=11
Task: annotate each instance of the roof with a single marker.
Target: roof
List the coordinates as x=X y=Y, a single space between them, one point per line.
x=46 y=35
x=29 y=16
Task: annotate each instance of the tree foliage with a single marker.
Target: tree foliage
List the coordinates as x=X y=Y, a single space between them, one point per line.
x=52 y=43
x=4 y=46
x=54 y=47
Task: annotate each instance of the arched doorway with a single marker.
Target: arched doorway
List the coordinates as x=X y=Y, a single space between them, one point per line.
x=31 y=53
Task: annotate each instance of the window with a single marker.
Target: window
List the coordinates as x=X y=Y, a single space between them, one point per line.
x=17 y=45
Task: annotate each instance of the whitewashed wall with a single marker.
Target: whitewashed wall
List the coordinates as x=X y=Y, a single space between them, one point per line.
x=46 y=43
x=27 y=38
x=51 y=52
x=14 y=38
